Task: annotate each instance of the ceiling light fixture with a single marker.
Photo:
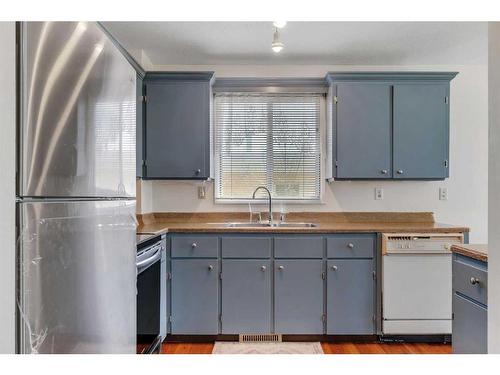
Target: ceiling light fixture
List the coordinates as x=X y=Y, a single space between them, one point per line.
x=279 y=24
x=277 y=44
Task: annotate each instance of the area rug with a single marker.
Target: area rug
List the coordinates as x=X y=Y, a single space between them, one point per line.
x=267 y=348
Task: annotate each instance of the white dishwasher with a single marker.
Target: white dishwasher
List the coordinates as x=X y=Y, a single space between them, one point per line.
x=416 y=283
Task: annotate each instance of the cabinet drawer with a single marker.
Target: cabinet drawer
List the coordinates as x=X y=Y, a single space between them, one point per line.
x=298 y=247
x=194 y=246
x=470 y=279
x=350 y=246
x=246 y=247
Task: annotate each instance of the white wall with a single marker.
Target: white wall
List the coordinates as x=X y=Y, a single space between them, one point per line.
x=467 y=185
x=494 y=189
x=7 y=187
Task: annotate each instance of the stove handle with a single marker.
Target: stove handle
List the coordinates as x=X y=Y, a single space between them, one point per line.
x=149 y=261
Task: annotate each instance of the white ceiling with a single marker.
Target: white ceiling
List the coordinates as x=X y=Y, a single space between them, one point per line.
x=317 y=43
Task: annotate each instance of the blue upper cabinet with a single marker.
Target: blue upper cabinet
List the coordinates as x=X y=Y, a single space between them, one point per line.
x=177 y=125
x=363 y=130
x=389 y=125
x=421 y=130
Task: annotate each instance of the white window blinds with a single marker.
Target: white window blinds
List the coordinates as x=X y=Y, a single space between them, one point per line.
x=267 y=139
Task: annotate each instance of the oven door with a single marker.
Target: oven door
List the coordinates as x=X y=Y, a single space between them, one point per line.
x=149 y=300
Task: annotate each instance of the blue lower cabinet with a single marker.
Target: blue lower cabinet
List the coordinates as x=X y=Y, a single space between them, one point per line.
x=350 y=297
x=195 y=302
x=470 y=305
x=470 y=322
x=246 y=296
x=298 y=296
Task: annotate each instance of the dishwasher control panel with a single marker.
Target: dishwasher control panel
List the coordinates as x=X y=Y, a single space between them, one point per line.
x=419 y=243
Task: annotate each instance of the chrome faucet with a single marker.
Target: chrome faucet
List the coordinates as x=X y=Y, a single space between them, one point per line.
x=270 y=202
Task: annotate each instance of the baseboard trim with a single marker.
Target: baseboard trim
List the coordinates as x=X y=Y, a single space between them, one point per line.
x=289 y=338
x=416 y=338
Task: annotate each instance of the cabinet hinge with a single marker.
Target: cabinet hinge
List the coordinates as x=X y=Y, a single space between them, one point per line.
x=335 y=99
x=446 y=163
x=446 y=100
x=323 y=275
x=374 y=275
x=323 y=318
x=144 y=163
x=220 y=318
x=170 y=319
x=169 y=275
x=336 y=163
x=452 y=316
x=144 y=98
x=220 y=275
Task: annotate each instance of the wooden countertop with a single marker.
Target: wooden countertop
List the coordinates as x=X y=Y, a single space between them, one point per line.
x=474 y=251
x=327 y=222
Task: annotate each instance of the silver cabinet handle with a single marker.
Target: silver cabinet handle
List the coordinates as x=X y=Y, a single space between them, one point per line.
x=350 y=245
x=384 y=171
x=194 y=244
x=475 y=281
x=210 y=267
x=334 y=268
x=263 y=268
x=400 y=171
x=281 y=268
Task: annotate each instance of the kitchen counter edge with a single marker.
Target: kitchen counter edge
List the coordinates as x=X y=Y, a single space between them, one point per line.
x=474 y=251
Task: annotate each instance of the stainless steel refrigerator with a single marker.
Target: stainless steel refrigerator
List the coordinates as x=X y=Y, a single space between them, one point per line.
x=76 y=191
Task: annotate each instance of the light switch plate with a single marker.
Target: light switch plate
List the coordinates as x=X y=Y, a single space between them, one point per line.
x=443 y=194
x=379 y=194
x=202 y=193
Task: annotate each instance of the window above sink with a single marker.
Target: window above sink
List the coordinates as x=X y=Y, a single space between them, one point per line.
x=271 y=140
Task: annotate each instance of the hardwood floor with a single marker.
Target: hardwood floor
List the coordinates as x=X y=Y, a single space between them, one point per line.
x=385 y=348
x=187 y=348
x=328 y=348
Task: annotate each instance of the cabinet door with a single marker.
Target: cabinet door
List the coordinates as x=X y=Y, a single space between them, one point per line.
x=363 y=130
x=195 y=301
x=420 y=131
x=177 y=129
x=246 y=296
x=469 y=328
x=298 y=297
x=350 y=297
x=139 y=127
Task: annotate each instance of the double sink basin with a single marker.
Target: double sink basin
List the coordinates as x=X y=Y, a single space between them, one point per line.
x=269 y=225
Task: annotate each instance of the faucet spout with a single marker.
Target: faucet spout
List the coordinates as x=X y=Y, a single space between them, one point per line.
x=270 y=201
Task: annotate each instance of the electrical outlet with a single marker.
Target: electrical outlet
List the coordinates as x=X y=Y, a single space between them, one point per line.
x=443 y=194
x=202 y=193
x=379 y=194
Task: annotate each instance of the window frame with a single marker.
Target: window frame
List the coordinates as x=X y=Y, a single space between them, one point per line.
x=263 y=201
